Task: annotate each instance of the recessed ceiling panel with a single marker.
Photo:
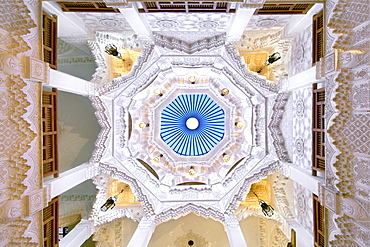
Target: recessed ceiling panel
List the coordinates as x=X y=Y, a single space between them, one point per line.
x=192 y=124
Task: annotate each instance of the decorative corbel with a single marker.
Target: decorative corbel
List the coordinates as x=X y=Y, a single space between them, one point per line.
x=36 y=70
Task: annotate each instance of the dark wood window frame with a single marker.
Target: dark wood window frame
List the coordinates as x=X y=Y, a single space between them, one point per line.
x=50 y=39
x=50 y=133
x=50 y=216
x=86 y=7
x=187 y=7
x=317 y=37
x=318 y=130
x=318 y=222
x=284 y=9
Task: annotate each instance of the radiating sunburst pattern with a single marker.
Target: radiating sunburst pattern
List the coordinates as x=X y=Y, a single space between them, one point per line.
x=198 y=141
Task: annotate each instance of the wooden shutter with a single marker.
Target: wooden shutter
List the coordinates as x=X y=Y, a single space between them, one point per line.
x=318 y=130
x=50 y=216
x=50 y=133
x=318 y=222
x=50 y=39
x=317 y=37
x=284 y=9
x=186 y=7
x=86 y=7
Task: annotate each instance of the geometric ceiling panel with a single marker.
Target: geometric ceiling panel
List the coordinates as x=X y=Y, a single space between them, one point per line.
x=192 y=124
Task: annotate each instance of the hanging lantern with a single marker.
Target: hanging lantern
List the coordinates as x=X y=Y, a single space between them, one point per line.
x=112 y=50
x=110 y=203
x=266 y=209
x=273 y=58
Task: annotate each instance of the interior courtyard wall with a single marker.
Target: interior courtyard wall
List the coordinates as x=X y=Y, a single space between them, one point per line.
x=21 y=193
x=204 y=232
x=301 y=125
x=251 y=231
x=301 y=59
x=83 y=70
x=78 y=130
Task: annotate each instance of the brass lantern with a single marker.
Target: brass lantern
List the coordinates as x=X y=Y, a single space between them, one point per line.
x=111 y=49
x=266 y=209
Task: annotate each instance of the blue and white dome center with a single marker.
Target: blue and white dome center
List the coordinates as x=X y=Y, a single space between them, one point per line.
x=192 y=124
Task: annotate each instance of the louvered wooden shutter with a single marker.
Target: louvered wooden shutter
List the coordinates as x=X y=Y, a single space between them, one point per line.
x=319 y=222
x=186 y=7
x=317 y=37
x=50 y=133
x=86 y=7
x=50 y=39
x=318 y=130
x=284 y=9
x=50 y=216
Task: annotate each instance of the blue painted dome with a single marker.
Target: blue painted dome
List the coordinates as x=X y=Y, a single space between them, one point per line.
x=192 y=124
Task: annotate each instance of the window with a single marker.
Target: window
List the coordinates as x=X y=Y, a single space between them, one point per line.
x=86 y=7
x=318 y=130
x=318 y=222
x=317 y=37
x=50 y=39
x=186 y=7
x=49 y=133
x=284 y=9
x=50 y=216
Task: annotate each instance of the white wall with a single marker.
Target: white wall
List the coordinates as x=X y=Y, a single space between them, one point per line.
x=78 y=130
x=166 y=234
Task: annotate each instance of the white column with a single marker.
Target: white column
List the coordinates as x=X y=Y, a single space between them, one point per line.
x=301 y=80
x=303 y=177
x=69 y=179
x=136 y=22
x=234 y=232
x=143 y=233
x=68 y=83
x=304 y=238
x=238 y=24
x=298 y=23
x=79 y=234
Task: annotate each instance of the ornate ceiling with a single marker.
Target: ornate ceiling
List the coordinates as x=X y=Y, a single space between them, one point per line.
x=157 y=168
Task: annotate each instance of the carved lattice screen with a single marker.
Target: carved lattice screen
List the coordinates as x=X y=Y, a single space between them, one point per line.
x=318 y=130
x=50 y=133
x=317 y=37
x=50 y=216
x=318 y=222
x=50 y=39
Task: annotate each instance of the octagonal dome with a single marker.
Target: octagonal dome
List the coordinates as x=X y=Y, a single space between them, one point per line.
x=192 y=124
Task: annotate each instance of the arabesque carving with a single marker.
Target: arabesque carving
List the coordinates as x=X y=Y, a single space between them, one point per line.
x=252 y=78
x=16 y=21
x=274 y=127
x=175 y=213
x=349 y=134
x=13 y=234
x=189 y=48
x=201 y=241
x=109 y=234
x=244 y=187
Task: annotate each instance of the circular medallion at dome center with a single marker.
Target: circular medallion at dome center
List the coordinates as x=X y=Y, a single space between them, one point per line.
x=192 y=124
